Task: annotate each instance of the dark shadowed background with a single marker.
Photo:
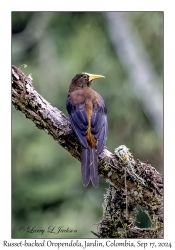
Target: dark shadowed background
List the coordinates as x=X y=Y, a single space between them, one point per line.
x=125 y=47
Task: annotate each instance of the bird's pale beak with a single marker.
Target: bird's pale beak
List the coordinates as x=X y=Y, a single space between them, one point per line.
x=93 y=77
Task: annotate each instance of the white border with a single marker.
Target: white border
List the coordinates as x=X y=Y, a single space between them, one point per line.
x=5 y=95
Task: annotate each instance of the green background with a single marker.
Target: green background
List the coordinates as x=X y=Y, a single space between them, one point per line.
x=46 y=179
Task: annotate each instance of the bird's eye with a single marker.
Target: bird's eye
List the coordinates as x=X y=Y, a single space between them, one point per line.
x=84 y=76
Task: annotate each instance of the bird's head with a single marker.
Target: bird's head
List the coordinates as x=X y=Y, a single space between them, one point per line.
x=83 y=80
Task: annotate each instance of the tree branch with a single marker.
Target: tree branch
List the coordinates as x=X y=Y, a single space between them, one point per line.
x=132 y=183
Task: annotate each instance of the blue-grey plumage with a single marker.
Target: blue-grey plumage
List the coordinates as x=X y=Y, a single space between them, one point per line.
x=88 y=117
x=89 y=166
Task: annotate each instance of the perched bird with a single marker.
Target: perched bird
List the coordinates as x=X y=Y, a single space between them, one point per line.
x=88 y=117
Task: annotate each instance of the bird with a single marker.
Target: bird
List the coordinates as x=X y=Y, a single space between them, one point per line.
x=88 y=117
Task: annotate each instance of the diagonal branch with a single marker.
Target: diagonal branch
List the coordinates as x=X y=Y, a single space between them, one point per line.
x=139 y=182
x=26 y=99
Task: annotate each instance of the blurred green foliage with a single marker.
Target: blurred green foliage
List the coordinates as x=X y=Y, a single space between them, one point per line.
x=46 y=179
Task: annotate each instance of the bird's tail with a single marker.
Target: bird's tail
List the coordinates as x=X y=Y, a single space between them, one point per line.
x=89 y=166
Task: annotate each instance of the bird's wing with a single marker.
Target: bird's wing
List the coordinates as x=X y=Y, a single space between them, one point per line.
x=79 y=120
x=99 y=125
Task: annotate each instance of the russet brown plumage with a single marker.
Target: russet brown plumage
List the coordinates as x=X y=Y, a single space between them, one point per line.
x=90 y=137
x=88 y=117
